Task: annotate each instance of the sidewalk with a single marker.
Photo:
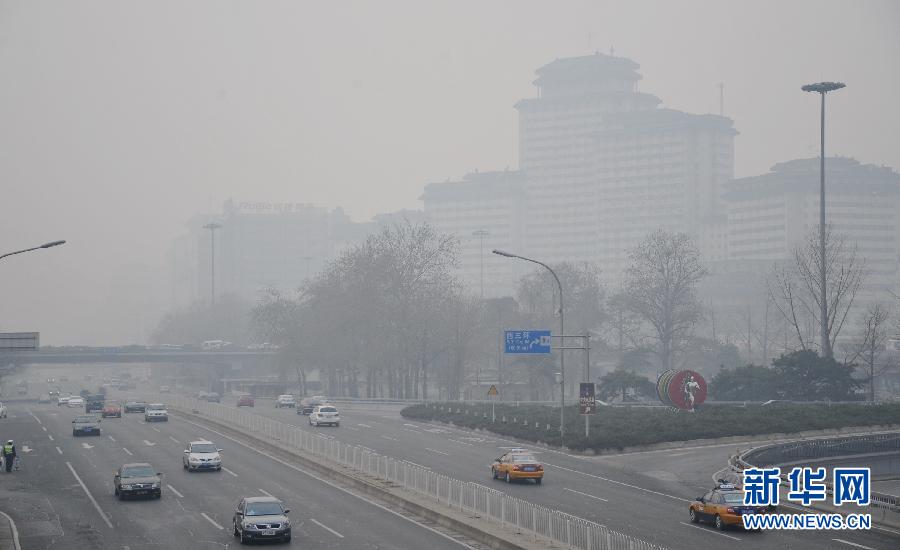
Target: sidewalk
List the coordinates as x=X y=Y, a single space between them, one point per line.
x=9 y=536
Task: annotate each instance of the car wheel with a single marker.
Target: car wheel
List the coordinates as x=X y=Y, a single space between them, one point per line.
x=244 y=538
x=219 y=469
x=693 y=514
x=121 y=495
x=507 y=477
x=538 y=480
x=337 y=424
x=720 y=525
x=286 y=539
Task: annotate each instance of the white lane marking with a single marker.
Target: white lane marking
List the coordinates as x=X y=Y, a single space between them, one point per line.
x=460 y=442
x=437 y=451
x=364 y=425
x=708 y=530
x=111 y=438
x=90 y=496
x=87 y=445
x=148 y=443
x=174 y=491
x=267 y=493
x=390 y=438
x=329 y=529
x=127 y=451
x=155 y=428
x=50 y=436
x=329 y=483
x=173 y=439
x=585 y=494
x=618 y=483
x=211 y=520
x=853 y=544
x=33 y=416
x=15 y=532
x=352 y=428
x=59 y=450
x=229 y=471
x=44 y=428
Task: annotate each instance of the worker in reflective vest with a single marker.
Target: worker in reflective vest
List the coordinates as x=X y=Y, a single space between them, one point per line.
x=9 y=455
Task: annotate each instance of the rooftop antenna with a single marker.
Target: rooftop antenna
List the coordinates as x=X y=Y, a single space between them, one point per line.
x=721 y=99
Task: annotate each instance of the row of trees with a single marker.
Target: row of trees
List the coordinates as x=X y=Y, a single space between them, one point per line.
x=388 y=318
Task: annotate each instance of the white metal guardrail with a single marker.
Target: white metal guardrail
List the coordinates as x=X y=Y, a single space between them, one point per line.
x=538 y=522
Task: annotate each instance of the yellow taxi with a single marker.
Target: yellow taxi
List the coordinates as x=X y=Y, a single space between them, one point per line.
x=517 y=464
x=723 y=507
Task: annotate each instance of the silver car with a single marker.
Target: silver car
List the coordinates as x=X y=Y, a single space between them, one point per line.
x=261 y=518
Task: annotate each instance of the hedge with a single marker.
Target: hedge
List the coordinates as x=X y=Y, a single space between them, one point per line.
x=620 y=427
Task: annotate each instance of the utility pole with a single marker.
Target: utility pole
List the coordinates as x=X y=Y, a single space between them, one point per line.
x=823 y=88
x=212 y=226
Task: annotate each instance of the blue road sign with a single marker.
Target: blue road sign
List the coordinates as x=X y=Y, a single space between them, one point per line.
x=527 y=341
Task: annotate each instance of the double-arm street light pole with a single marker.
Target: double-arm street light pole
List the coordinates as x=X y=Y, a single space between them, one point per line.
x=823 y=88
x=212 y=260
x=562 y=352
x=45 y=245
x=481 y=234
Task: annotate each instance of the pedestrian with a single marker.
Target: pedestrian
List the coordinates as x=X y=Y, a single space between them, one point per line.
x=9 y=455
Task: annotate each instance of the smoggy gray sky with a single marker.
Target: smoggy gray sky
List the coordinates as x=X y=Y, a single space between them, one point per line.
x=119 y=119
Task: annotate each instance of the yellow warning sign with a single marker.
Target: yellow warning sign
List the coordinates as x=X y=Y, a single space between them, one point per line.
x=493 y=390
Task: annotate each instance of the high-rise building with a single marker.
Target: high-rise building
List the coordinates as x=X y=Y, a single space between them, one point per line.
x=770 y=214
x=483 y=211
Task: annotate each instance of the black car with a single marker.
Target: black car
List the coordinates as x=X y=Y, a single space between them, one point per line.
x=94 y=403
x=86 y=424
x=137 y=479
x=135 y=407
x=308 y=405
x=261 y=518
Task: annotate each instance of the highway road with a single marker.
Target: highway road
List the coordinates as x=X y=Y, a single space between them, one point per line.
x=641 y=494
x=63 y=496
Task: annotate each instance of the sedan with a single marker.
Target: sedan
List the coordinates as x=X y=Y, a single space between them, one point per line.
x=138 y=479
x=326 y=415
x=86 y=424
x=261 y=518
x=111 y=410
x=202 y=455
x=245 y=401
x=517 y=464
x=75 y=402
x=135 y=407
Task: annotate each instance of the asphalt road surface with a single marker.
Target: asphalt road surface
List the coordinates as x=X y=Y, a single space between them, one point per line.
x=63 y=496
x=641 y=494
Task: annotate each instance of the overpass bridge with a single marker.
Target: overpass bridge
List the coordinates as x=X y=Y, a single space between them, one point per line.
x=94 y=356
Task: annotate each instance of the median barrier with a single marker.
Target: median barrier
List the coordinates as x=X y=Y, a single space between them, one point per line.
x=507 y=522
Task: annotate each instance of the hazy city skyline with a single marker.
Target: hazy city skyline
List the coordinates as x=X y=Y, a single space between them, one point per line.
x=123 y=122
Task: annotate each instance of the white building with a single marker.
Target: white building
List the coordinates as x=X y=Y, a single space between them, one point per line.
x=770 y=214
x=484 y=211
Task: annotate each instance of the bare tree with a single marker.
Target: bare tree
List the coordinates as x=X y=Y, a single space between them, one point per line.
x=796 y=288
x=661 y=288
x=868 y=344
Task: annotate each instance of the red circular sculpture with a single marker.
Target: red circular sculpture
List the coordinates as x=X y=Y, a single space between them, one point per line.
x=683 y=389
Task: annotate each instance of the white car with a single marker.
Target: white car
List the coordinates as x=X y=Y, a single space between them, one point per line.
x=325 y=415
x=75 y=402
x=202 y=455
x=2 y=410
x=156 y=412
x=285 y=401
x=60 y=401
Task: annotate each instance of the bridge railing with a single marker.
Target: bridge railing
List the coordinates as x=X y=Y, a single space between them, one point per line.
x=777 y=454
x=540 y=523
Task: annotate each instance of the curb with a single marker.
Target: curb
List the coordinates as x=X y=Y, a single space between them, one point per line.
x=484 y=532
x=9 y=535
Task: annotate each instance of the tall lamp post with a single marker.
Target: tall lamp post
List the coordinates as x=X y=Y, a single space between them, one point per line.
x=45 y=245
x=562 y=353
x=823 y=88
x=481 y=234
x=212 y=260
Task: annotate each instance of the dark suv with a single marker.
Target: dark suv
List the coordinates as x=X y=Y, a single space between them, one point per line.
x=137 y=479
x=86 y=424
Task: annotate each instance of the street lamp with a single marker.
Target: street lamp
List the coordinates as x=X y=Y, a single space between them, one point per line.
x=212 y=226
x=481 y=234
x=823 y=88
x=45 y=245
x=562 y=353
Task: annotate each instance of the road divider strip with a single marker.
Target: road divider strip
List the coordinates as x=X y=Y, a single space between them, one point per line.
x=229 y=471
x=329 y=529
x=211 y=520
x=59 y=450
x=584 y=494
x=127 y=451
x=174 y=490
x=100 y=511
x=617 y=482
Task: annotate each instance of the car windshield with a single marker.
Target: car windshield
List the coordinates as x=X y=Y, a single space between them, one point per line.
x=138 y=471
x=328 y=410
x=263 y=508
x=735 y=497
x=156 y=407
x=523 y=458
x=86 y=419
x=203 y=448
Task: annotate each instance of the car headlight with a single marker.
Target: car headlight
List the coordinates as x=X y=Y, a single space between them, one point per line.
x=155 y=485
x=287 y=523
x=126 y=487
x=193 y=459
x=249 y=526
